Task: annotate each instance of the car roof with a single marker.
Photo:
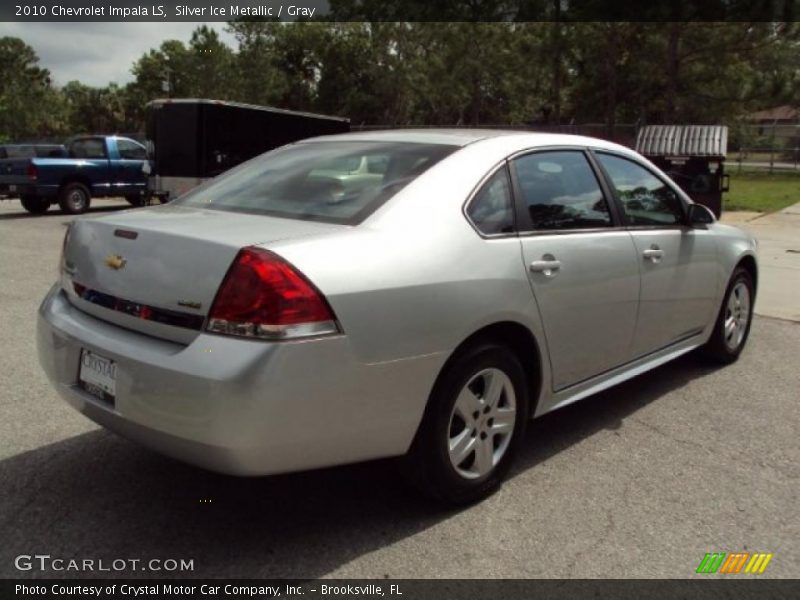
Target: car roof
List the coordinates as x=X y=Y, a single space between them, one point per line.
x=452 y=137
x=466 y=136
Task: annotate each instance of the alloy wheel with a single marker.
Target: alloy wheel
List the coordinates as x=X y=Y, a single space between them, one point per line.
x=482 y=423
x=737 y=315
x=76 y=199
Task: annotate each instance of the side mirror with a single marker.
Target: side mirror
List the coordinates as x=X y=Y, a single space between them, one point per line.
x=700 y=215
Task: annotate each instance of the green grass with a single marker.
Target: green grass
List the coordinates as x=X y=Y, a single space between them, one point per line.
x=762 y=192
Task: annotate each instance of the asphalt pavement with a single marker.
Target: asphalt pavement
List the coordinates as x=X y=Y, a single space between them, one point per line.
x=639 y=481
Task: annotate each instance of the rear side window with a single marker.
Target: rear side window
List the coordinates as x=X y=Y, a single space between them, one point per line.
x=559 y=190
x=646 y=199
x=491 y=209
x=89 y=148
x=50 y=151
x=319 y=181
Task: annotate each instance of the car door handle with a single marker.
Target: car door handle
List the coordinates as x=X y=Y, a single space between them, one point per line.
x=546 y=267
x=654 y=254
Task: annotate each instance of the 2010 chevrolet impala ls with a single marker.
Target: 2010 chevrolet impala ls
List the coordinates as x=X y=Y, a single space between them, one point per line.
x=403 y=293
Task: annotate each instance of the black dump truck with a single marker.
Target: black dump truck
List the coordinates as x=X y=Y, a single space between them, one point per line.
x=191 y=140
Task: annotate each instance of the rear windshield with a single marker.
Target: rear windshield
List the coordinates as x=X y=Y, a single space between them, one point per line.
x=336 y=182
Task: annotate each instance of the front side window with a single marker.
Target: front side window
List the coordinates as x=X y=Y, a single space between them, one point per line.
x=345 y=164
x=491 y=210
x=560 y=191
x=317 y=181
x=131 y=150
x=377 y=164
x=646 y=200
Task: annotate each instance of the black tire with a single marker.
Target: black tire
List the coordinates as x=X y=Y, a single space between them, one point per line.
x=719 y=348
x=74 y=198
x=34 y=204
x=428 y=465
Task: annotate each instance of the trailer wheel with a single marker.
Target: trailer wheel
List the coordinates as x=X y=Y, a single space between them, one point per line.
x=137 y=199
x=74 y=198
x=34 y=204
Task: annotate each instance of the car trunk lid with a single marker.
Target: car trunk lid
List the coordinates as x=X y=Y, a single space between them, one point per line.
x=158 y=270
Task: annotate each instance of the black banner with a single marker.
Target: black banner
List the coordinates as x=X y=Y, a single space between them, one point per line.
x=399 y=10
x=442 y=589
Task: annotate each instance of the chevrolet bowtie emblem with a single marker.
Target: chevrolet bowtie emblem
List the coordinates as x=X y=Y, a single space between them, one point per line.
x=115 y=261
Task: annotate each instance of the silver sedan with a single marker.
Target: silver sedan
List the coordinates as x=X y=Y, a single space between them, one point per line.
x=276 y=319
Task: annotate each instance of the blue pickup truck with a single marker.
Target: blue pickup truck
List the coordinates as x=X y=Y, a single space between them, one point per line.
x=94 y=166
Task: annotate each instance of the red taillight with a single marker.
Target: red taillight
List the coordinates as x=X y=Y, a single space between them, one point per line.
x=32 y=172
x=62 y=260
x=263 y=296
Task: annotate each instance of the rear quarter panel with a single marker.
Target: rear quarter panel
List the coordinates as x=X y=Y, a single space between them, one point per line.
x=398 y=296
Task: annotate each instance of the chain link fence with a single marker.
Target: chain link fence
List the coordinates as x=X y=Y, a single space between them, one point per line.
x=774 y=147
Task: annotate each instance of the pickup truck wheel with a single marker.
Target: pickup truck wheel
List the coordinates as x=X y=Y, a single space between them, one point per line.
x=74 y=198
x=34 y=204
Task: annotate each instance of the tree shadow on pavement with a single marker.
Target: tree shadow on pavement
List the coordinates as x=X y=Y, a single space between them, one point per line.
x=98 y=496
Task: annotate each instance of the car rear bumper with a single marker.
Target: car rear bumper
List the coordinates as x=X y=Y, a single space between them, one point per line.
x=238 y=406
x=9 y=190
x=26 y=189
x=31 y=189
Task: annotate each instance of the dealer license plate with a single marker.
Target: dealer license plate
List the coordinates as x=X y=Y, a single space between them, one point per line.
x=98 y=375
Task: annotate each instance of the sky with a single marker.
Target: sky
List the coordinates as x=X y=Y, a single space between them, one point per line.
x=98 y=53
